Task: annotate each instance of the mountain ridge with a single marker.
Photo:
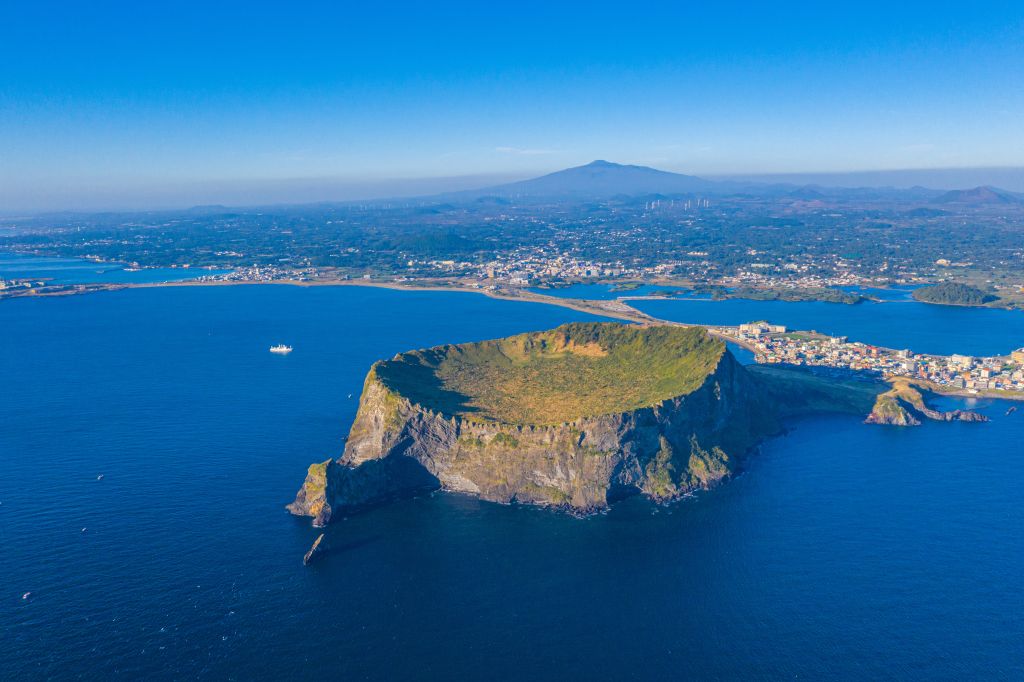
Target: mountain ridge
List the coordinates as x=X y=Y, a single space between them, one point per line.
x=983 y=194
x=604 y=178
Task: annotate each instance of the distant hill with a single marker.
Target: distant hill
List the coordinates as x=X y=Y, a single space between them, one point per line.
x=953 y=293
x=978 y=195
x=604 y=179
x=925 y=212
x=806 y=193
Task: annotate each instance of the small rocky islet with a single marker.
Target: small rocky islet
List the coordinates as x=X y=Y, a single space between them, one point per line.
x=576 y=417
x=904 y=405
x=317 y=550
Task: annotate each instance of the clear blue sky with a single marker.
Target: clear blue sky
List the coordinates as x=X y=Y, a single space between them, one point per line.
x=128 y=103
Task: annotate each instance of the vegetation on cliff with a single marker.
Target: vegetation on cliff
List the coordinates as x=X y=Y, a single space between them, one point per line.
x=794 y=391
x=954 y=293
x=577 y=370
x=889 y=409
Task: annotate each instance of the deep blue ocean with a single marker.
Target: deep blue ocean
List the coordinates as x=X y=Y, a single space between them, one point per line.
x=845 y=551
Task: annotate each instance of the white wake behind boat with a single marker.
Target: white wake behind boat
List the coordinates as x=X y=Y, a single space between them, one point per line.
x=281 y=349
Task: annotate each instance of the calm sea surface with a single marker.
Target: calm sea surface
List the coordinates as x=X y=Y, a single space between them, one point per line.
x=897 y=323
x=846 y=551
x=77 y=271
x=603 y=292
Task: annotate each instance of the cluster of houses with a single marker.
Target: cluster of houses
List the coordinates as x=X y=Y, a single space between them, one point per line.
x=531 y=268
x=262 y=273
x=19 y=283
x=537 y=265
x=773 y=344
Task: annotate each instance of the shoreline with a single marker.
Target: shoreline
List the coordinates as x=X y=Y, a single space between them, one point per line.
x=606 y=308
x=613 y=308
x=992 y=305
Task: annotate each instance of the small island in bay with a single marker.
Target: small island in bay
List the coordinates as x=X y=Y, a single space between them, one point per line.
x=576 y=417
x=790 y=294
x=953 y=293
x=795 y=294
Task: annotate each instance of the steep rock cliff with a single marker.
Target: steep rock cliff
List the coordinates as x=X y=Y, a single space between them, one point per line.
x=693 y=437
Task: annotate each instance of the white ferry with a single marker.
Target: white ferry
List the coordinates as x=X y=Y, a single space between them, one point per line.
x=281 y=349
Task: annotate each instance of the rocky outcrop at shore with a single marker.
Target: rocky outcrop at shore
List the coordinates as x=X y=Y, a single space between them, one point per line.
x=956 y=415
x=904 y=405
x=318 y=549
x=890 y=410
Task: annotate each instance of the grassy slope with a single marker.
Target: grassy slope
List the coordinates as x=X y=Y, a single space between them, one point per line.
x=576 y=370
x=796 y=391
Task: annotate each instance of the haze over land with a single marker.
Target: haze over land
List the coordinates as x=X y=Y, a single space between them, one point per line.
x=596 y=179
x=624 y=179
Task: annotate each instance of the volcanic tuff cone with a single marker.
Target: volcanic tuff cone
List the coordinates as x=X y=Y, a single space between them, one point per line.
x=577 y=416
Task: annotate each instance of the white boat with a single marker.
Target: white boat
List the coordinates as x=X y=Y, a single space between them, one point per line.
x=281 y=349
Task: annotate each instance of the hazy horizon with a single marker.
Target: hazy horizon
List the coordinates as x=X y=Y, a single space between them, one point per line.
x=115 y=105
x=285 y=191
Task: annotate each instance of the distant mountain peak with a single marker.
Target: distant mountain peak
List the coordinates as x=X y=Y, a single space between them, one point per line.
x=601 y=178
x=806 y=193
x=983 y=194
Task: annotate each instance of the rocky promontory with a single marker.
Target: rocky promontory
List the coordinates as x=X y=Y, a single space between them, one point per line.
x=904 y=405
x=576 y=417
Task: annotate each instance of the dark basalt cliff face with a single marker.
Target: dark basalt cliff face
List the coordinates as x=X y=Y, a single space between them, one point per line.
x=679 y=444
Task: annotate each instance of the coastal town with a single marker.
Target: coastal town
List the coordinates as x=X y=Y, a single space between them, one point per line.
x=539 y=266
x=545 y=268
x=774 y=344
x=256 y=274
x=770 y=343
